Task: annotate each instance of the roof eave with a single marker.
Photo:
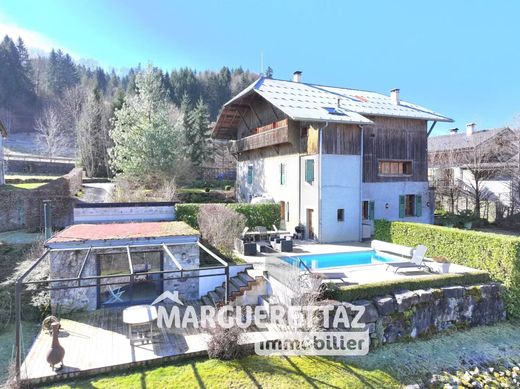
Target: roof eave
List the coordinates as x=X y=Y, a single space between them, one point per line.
x=321 y=120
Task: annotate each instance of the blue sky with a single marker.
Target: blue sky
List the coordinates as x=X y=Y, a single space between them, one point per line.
x=459 y=58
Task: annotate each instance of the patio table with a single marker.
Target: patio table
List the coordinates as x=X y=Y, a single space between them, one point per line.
x=140 y=316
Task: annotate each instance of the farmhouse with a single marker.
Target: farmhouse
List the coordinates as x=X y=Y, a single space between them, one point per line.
x=3 y=134
x=334 y=158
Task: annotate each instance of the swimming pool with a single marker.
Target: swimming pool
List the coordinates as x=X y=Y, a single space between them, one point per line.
x=355 y=258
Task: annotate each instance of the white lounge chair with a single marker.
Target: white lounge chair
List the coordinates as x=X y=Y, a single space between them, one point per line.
x=416 y=261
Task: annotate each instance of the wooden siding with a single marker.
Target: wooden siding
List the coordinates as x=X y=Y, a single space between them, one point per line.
x=287 y=148
x=267 y=138
x=341 y=139
x=395 y=139
x=257 y=113
x=337 y=139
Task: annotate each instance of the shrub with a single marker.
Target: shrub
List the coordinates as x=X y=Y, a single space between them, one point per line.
x=215 y=184
x=368 y=291
x=497 y=254
x=220 y=225
x=187 y=213
x=265 y=215
x=224 y=345
x=203 y=197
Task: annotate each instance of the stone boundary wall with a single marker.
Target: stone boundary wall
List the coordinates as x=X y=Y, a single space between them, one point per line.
x=38 y=167
x=408 y=315
x=23 y=208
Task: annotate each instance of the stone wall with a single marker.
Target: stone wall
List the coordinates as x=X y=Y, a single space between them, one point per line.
x=188 y=288
x=23 y=208
x=38 y=167
x=413 y=314
x=67 y=264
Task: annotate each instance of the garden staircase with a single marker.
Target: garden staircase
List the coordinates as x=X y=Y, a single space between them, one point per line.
x=238 y=285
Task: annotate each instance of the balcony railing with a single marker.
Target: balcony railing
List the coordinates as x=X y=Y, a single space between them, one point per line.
x=264 y=138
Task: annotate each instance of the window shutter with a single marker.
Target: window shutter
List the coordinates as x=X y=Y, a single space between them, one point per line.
x=282 y=174
x=401 y=206
x=418 y=205
x=309 y=170
x=371 y=207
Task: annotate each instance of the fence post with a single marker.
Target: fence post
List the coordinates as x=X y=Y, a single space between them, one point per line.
x=18 y=335
x=47 y=218
x=226 y=289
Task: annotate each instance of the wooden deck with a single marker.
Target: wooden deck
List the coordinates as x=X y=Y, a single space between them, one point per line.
x=96 y=341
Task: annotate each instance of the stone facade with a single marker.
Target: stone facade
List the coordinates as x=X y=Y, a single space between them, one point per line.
x=67 y=264
x=188 y=288
x=407 y=315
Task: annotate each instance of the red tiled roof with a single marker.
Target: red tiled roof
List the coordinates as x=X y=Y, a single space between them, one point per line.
x=115 y=231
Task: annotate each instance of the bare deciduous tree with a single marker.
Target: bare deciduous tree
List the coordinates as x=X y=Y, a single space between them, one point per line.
x=93 y=138
x=220 y=225
x=447 y=187
x=51 y=136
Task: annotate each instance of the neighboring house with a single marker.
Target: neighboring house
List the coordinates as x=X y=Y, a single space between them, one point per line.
x=3 y=165
x=302 y=145
x=474 y=165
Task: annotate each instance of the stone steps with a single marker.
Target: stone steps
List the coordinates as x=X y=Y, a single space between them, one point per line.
x=237 y=286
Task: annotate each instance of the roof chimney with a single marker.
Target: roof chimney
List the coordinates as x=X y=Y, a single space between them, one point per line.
x=394 y=96
x=453 y=131
x=470 y=129
x=297 y=76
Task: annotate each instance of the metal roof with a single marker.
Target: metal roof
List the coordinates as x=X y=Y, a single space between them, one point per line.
x=462 y=141
x=311 y=102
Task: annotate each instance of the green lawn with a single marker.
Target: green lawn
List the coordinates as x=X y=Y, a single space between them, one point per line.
x=388 y=367
x=30 y=177
x=29 y=331
x=250 y=372
x=29 y=185
x=23 y=185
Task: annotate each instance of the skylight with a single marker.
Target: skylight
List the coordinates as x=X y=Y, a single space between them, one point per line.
x=334 y=111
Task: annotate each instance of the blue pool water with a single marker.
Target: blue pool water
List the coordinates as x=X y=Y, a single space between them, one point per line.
x=320 y=261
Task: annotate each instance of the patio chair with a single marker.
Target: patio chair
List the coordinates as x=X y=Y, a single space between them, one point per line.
x=115 y=295
x=416 y=261
x=244 y=232
x=262 y=232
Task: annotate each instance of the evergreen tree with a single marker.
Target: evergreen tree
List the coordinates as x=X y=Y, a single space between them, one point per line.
x=93 y=137
x=24 y=57
x=16 y=90
x=145 y=133
x=197 y=133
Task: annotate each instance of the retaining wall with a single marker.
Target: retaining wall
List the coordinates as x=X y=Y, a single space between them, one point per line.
x=413 y=314
x=23 y=208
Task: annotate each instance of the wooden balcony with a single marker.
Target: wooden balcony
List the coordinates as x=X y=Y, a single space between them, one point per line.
x=265 y=138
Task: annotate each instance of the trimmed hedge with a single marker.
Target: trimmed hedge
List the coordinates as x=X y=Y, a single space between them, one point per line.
x=497 y=254
x=265 y=215
x=368 y=291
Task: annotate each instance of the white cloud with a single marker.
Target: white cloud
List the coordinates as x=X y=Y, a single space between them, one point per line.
x=33 y=40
